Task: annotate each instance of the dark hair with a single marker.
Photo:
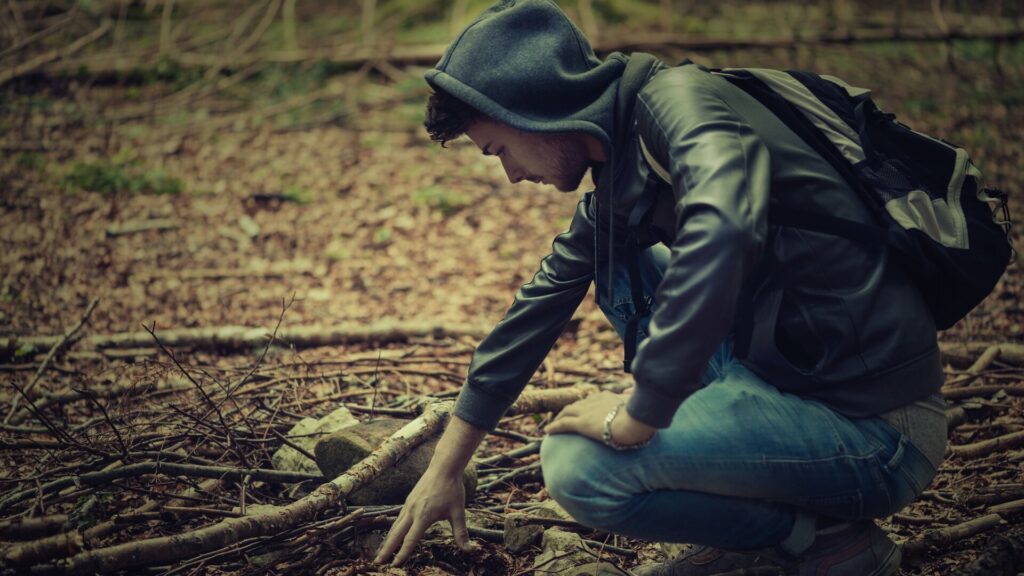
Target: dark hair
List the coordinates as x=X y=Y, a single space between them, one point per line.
x=447 y=116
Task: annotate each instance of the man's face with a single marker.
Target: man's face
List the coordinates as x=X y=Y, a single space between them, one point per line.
x=560 y=160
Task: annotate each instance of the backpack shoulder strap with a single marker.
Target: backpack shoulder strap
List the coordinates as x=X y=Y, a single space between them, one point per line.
x=799 y=123
x=656 y=166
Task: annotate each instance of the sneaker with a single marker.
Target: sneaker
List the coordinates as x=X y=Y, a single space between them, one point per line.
x=855 y=549
x=705 y=561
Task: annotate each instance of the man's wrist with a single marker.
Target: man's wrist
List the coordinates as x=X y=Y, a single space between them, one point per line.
x=627 y=430
x=456 y=448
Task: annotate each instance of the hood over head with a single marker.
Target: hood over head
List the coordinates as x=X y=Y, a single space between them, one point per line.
x=525 y=64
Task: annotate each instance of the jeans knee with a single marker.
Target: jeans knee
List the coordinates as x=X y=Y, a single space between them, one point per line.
x=561 y=478
x=574 y=477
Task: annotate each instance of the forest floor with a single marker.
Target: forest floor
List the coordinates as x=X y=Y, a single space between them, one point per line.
x=341 y=211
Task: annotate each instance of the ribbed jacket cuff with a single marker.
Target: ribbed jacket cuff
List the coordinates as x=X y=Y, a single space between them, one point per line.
x=652 y=408
x=479 y=408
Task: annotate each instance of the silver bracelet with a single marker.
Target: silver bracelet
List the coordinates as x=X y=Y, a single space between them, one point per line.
x=606 y=434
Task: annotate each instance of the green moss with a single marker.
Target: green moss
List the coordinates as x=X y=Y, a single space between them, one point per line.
x=382 y=235
x=336 y=251
x=24 y=350
x=444 y=200
x=107 y=177
x=297 y=195
x=29 y=161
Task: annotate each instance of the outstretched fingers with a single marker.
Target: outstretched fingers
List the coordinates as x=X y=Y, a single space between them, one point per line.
x=395 y=537
x=412 y=538
x=459 y=530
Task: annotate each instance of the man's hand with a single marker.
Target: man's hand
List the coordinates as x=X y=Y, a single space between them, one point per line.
x=437 y=496
x=586 y=417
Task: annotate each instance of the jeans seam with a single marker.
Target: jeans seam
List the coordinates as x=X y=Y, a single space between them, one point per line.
x=910 y=479
x=880 y=479
x=670 y=468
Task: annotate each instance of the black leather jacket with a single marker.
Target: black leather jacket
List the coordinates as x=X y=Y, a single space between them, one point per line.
x=846 y=327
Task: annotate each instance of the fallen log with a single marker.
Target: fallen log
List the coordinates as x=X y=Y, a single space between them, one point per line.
x=986 y=447
x=355 y=55
x=981 y=391
x=244 y=337
x=550 y=400
x=21 y=528
x=996 y=495
x=946 y=536
x=61 y=544
x=1008 y=508
x=967 y=353
x=33 y=64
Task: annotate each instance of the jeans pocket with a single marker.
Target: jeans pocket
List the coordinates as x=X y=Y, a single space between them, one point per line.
x=893 y=464
x=917 y=470
x=909 y=477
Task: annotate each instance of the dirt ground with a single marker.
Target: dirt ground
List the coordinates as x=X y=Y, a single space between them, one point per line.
x=343 y=212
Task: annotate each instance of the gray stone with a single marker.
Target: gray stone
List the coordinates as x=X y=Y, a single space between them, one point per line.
x=474 y=519
x=552 y=506
x=309 y=431
x=339 y=451
x=562 y=551
x=519 y=533
x=594 y=568
x=565 y=554
x=366 y=543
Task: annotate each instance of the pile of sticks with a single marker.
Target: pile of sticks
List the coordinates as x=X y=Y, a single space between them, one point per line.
x=173 y=472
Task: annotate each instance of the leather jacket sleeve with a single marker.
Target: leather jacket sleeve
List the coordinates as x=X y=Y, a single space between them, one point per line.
x=507 y=358
x=720 y=175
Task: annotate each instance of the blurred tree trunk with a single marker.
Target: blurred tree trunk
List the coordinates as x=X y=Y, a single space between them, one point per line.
x=369 y=18
x=165 y=28
x=17 y=22
x=122 y=14
x=901 y=10
x=291 y=41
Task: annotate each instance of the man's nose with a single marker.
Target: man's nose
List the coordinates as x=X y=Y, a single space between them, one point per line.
x=513 y=171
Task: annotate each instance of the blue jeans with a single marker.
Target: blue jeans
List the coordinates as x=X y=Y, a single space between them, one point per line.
x=742 y=466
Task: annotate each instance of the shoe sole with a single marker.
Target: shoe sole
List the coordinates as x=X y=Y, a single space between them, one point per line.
x=889 y=565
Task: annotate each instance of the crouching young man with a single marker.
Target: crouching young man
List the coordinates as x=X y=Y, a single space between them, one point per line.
x=770 y=420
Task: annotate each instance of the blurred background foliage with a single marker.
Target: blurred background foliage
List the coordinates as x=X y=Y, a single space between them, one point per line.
x=215 y=66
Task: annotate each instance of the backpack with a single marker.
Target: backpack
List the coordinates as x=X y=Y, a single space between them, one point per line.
x=930 y=208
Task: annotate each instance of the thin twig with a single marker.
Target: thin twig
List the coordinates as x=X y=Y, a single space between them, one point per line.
x=232 y=443
x=106 y=417
x=65 y=340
